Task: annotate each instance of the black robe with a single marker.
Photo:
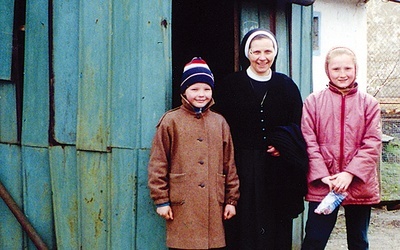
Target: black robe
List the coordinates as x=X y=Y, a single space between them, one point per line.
x=267 y=204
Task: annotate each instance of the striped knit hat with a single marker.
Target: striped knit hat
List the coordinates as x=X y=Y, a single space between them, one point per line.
x=196 y=71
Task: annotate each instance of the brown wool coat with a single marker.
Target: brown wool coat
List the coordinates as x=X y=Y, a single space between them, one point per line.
x=192 y=167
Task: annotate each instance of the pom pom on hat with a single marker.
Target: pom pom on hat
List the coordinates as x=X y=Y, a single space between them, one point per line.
x=196 y=71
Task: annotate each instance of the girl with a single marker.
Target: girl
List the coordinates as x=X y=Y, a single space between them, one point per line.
x=341 y=127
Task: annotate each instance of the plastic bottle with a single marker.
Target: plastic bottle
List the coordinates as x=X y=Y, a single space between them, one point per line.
x=331 y=201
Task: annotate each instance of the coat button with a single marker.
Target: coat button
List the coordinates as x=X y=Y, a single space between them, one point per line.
x=202 y=185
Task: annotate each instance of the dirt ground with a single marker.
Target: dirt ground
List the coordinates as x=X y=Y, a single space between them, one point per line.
x=384 y=231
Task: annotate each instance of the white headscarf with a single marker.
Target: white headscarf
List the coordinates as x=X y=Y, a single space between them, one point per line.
x=260 y=32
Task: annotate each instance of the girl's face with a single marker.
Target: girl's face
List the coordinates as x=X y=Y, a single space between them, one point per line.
x=199 y=94
x=261 y=56
x=342 y=70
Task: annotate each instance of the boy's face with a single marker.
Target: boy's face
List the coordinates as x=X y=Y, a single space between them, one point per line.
x=342 y=71
x=199 y=94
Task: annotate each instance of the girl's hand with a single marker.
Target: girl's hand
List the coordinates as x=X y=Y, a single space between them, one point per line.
x=328 y=181
x=229 y=212
x=341 y=181
x=273 y=151
x=165 y=212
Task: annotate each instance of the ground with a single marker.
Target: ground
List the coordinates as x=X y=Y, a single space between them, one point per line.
x=384 y=231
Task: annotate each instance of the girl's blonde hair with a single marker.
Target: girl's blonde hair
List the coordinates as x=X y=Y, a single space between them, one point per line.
x=336 y=51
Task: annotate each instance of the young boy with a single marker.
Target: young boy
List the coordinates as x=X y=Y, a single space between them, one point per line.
x=192 y=172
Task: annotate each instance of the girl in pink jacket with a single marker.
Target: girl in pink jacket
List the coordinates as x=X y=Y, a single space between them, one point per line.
x=341 y=127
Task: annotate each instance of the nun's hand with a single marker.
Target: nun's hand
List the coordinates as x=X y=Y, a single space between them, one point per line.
x=273 y=151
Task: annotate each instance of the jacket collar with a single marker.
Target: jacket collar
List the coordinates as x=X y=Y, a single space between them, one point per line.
x=344 y=92
x=197 y=112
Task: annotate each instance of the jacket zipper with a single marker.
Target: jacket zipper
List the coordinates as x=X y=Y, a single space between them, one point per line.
x=342 y=116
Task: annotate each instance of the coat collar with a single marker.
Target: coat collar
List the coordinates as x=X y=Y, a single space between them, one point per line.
x=198 y=113
x=350 y=91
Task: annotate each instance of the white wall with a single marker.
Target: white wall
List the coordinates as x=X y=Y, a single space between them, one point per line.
x=342 y=23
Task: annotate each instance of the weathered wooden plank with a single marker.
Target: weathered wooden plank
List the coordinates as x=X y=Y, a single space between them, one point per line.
x=6 y=38
x=249 y=17
x=302 y=48
x=8 y=113
x=125 y=95
x=37 y=195
x=150 y=226
x=155 y=76
x=65 y=68
x=35 y=122
x=123 y=198
x=11 y=236
x=64 y=183
x=282 y=63
x=94 y=205
x=155 y=97
x=93 y=129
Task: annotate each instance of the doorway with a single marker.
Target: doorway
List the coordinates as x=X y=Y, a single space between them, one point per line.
x=205 y=29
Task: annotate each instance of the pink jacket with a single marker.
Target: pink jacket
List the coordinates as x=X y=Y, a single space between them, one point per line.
x=343 y=133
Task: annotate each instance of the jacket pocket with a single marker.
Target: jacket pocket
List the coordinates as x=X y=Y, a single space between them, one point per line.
x=221 y=188
x=177 y=189
x=361 y=190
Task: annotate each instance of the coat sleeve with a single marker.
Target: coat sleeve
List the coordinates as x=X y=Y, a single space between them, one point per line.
x=158 y=167
x=317 y=167
x=364 y=163
x=232 y=179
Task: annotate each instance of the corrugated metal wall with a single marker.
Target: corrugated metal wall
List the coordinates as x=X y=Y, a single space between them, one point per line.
x=97 y=79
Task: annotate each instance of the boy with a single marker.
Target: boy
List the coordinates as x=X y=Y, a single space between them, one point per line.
x=192 y=172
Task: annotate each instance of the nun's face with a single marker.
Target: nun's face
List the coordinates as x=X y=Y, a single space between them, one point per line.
x=261 y=56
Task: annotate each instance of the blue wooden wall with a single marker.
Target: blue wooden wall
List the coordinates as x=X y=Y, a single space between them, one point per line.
x=97 y=79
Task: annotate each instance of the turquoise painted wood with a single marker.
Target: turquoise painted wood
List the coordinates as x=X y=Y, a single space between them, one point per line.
x=95 y=33
x=154 y=79
x=64 y=185
x=302 y=48
x=282 y=34
x=65 y=69
x=6 y=38
x=35 y=122
x=155 y=98
x=93 y=203
x=37 y=195
x=11 y=235
x=123 y=198
x=150 y=227
x=125 y=66
x=249 y=14
x=302 y=75
x=8 y=113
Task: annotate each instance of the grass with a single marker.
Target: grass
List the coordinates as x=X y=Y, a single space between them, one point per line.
x=390 y=171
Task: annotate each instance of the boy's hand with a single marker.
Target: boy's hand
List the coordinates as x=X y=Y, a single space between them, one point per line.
x=230 y=211
x=165 y=212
